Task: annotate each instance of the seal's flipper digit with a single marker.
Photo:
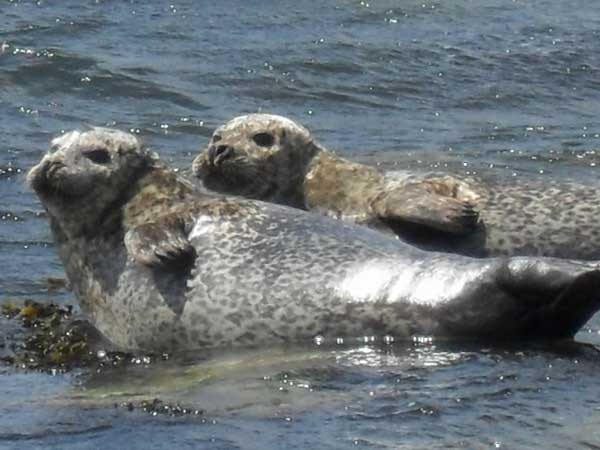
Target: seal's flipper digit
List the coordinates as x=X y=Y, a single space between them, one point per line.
x=416 y=203
x=160 y=244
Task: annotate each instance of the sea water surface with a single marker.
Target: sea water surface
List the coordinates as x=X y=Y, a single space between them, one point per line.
x=510 y=87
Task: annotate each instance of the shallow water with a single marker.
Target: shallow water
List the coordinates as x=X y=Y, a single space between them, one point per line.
x=505 y=86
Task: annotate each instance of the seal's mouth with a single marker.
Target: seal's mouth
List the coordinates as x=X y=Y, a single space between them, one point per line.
x=42 y=178
x=200 y=166
x=227 y=171
x=211 y=161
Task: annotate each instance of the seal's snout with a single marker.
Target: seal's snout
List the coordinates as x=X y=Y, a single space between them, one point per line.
x=40 y=176
x=219 y=153
x=52 y=167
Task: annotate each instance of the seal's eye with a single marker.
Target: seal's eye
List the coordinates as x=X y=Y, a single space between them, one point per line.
x=216 y=138
x=98 y=156
x=263 y=139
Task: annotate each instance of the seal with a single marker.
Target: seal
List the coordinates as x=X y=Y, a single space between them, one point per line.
x=160 y=267
x=274 y=159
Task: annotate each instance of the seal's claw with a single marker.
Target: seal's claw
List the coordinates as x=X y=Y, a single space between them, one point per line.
x=467 y=215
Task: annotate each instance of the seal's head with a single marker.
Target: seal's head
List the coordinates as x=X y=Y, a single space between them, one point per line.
x=85 y=174
x=260 y=156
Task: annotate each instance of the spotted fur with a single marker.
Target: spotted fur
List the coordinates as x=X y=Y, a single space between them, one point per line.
x=263 y=273
x=271 y=158
x=518 y=216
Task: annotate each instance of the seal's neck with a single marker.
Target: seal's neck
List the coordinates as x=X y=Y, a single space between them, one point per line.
x=293 y=193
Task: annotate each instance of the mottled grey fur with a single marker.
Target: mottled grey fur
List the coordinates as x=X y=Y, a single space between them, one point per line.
x=161 y=267
x=539 y=217
x=517 y=216
x=271 y=158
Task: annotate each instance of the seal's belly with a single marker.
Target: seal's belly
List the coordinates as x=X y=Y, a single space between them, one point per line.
x=251 y=303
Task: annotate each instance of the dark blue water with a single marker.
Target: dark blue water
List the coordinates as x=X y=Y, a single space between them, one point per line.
x=508 y=86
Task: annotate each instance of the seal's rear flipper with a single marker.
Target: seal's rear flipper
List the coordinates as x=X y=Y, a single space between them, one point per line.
x=574 y=306
x=418 y=203
x=559 y=296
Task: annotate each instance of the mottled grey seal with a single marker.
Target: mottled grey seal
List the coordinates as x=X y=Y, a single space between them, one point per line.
x=272 y=158
x=157 y=266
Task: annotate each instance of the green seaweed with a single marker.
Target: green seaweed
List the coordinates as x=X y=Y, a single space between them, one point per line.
x=54 y=340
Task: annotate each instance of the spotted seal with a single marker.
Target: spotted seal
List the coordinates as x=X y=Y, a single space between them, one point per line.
x=272 y=158
x=160 y=267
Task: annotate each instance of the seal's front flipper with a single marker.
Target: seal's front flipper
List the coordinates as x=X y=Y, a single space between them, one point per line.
x=161 y=244
x=416 y=203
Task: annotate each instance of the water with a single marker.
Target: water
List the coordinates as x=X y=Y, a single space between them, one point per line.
x=507 y=86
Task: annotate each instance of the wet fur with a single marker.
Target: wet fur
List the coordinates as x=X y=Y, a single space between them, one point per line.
x=262 y=273
x=530 y=217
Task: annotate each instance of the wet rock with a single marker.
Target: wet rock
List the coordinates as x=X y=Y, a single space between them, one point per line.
x=55 y=341
x=157 y=407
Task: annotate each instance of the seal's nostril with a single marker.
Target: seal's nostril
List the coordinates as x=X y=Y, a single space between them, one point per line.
x=217 y=154
x=223 y=151
x=51 y=167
